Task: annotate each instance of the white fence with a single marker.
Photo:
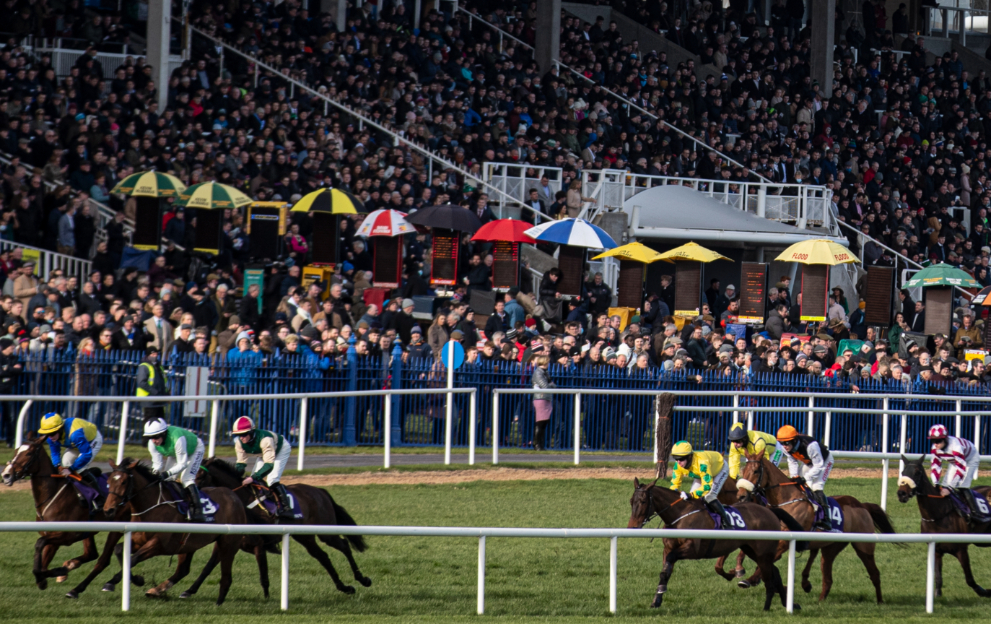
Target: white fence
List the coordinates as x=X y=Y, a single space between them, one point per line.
x=64 y=59
x=613 y=535
x=48 y=261
x=216 y=399
x=516 y=181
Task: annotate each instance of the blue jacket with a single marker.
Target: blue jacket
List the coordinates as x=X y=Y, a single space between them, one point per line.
x=74 y=432
x=515 y=312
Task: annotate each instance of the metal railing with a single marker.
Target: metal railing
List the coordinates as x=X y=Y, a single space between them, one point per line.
x=613 y=535
x=741 y=412
x=500 y=33
x=48 y=261
x=961 y=19
x=64 y=59
x=516 y=180
x=363 y=120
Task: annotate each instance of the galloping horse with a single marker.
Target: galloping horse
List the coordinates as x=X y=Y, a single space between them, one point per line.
x=55 y=501
x=134 y=487
x=315 y=505
x=939 y=515
x=764 y=482
x=677 y=513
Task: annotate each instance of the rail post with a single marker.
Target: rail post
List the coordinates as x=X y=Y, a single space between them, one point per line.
x=396 y=383
x=495 y=427
x=884 y=462
x=481 y=575
x=449 y=408
x=736 y=410
x=122 y=431
x=810 y=424
x=902 y=441
x=349 y=435
x=303 y=419
x=214 y=413
x=612 y=573
x=473 y=415
x=125 y=594
x=790 y=596
x=19 y=436
x=930 y=576
x=827 y=426
x=959 y=418
x=284 y=580
x=578 y=427
x=387 y=432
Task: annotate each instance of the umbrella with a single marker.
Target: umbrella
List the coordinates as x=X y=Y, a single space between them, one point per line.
x=385 y=223
x=637 y=252
x=446 y=217
x=692 y=252
x=982 y=298
x=509 y=230
x=329 y=200
x=212 y=196
x=941 y=275
x=150 y=184
x=574 y=232
x=818 y=251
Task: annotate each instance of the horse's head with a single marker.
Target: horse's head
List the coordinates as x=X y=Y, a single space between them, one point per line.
x=753 y=477
x=28 y=461
x=121 y=486
x=912 y=476
x=216 y=472
x=641 y=504
x=205 y=478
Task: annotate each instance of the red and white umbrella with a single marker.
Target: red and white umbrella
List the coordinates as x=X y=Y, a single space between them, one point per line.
x=385 y=223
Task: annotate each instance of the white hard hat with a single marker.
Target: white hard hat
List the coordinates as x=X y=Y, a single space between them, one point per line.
x=154 y=428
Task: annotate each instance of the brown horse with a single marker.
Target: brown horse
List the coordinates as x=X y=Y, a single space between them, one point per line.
x=939 y=515
x=55 y=501
x=316 y=506
x=678 y=513
x=762 y=481
x=134 y=487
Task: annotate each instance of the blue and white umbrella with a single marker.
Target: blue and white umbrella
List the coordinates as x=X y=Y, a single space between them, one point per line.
x=574 y=232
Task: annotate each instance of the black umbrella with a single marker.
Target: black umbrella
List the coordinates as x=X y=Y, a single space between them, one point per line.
x=448 y=217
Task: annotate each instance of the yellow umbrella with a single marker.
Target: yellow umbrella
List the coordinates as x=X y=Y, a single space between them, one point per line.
x=150 y=184
x=637 y=252
x=212 y=196
x=692 y=252
x=818 y=251
x=331 y=201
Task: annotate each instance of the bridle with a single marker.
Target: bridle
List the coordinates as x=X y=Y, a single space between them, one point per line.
x=914 y=491
x=652 y=511
x=129 y=492
x=760 y=490
x=28 y=468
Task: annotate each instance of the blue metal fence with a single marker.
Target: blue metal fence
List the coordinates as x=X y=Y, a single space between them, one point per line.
x=621 y=422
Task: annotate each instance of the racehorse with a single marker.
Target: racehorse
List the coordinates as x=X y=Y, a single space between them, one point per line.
x=939 y=515
x=678 y=513
x=764 y=482
x=134 y=487
x=55 y=501
x=315 y=505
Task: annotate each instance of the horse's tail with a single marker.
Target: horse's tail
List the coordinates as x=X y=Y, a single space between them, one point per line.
x=345 y=519
x=792 y=524
x=882 y=522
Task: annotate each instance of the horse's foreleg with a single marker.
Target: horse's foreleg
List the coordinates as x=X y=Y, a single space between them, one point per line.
x=670 y=559
x=149 y=549
x=828 y=556
x=806 y=584
x=866 y=554
x=722 y=572
x=341 y=544
x=207 y=570
x=939 y=573
x=40 y=565
x=89 y=554
x=181 y=570
x=963 y=556
x=100 y=566
x=226 y=549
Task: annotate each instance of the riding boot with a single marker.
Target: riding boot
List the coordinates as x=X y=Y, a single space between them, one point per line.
x=538 y=434
x=824 y=524
x=195 y=505
x=717 y=508
x=968 y=497
x=282 y=501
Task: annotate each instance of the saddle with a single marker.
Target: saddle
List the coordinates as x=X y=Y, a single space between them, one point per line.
x=265 y=500
x=90 y=497
x=980 y=515
x=177 y=492
x=737 y=523
x=835 y=512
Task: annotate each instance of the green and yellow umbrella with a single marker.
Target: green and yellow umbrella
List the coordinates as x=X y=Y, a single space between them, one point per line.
x=330 y=201
x=150 y=184
x=212 y=196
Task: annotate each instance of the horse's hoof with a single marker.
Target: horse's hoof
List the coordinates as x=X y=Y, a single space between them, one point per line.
x=365 y=582
x=743 y=584
x=741 y=573
x=796 y=607
x=138 y=581
x=72 y=594
x=71 y=564
x=61 y=579
x=806 y=586
x=185 y=594
x=347 y=589
x=658 y=599
x=109 y=587
x=43 y=584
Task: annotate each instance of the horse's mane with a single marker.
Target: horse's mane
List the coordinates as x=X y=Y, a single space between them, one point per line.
x=140 y=467
x=923 y=484
x=224 y=466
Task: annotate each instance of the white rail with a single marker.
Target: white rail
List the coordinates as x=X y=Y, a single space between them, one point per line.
x=613 y=535
x=216 y=399
x=48 y=261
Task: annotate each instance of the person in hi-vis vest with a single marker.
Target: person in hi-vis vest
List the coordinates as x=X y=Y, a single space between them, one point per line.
x=151 y=381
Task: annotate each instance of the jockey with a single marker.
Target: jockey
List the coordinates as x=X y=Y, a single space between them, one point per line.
x=708 y=472
x=186 y=451
x=82 y=441
x=955 y=462
x=273 y=455
x=742 y=442
x=809 y=462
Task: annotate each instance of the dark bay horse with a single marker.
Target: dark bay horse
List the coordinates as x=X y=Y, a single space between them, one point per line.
x=317 y=508
x=136 y=489
x=55 y=500
x=939 y=515
x=762 y=481
x=676 y=513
